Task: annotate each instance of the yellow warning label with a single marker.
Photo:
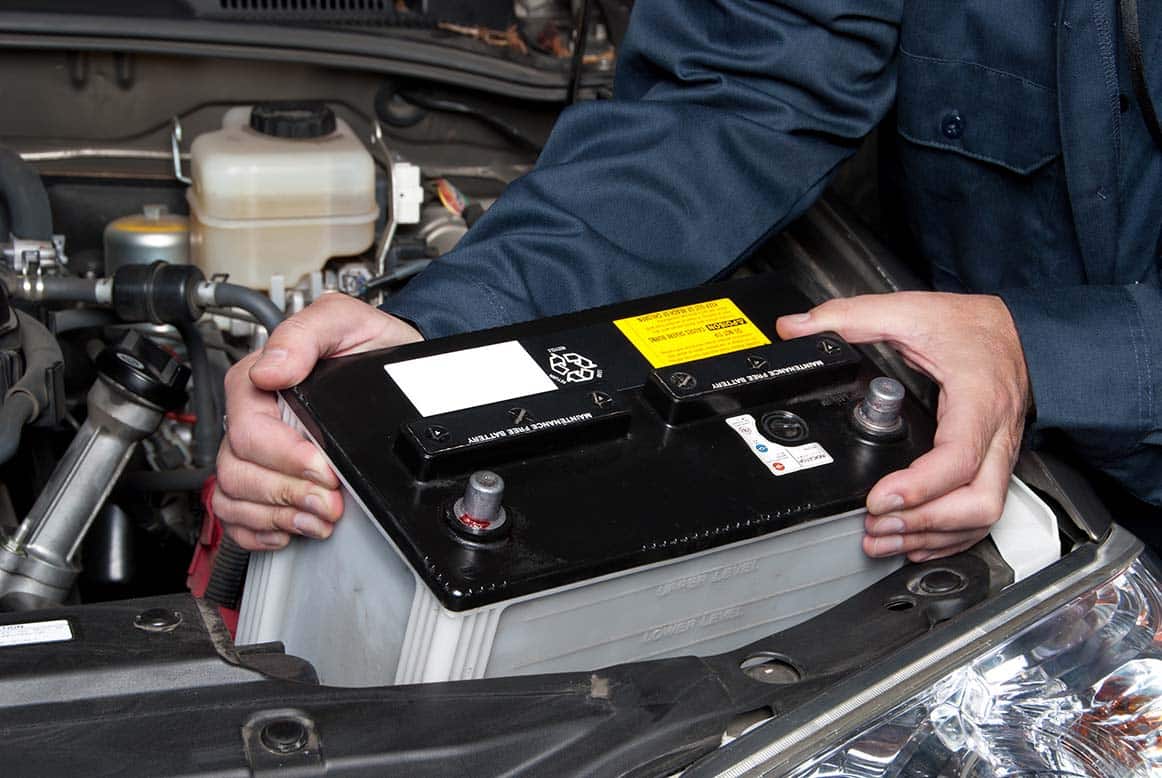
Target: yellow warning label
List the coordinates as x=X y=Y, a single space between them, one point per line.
x=691 y=332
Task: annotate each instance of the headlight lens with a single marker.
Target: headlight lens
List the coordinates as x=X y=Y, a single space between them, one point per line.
x=1078 y=693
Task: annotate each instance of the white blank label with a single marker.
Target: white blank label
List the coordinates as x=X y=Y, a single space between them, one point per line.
x=465 y=379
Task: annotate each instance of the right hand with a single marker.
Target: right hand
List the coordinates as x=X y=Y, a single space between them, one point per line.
x=272 y=483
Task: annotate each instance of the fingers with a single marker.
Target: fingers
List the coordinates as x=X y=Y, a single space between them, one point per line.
x=257 y=434
x=248 y=482
x=891 y=545
x=259 y=519
x=256 y=541
x=950 y=523
x=955 y=459
x=334 y=324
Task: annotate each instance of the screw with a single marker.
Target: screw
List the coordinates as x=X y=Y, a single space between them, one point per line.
x=601 y=399
x=519 y=416
x=284 y=736
x=437 y=433
x=682 y=380
x=157 y=620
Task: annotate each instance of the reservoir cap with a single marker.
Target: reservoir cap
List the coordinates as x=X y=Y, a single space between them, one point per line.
x=292 y=119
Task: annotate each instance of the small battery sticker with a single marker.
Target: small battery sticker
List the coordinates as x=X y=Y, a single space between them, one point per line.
x=35 y=632
x=778 y=459
x=691 y=332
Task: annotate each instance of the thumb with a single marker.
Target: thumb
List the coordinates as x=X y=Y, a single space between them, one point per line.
x=317 y=331
x=863 y=319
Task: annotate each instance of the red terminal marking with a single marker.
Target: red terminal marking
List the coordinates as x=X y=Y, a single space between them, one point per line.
x=779 y=466
x=184 y=418
x=473 y=523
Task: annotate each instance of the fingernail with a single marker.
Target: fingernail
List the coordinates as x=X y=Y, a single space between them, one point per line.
x=885 y=546
x=893 y=502
x=889 y=525
x=920 y=556
x=272 y=356
x=316 y=505
x=277 y=539
x=800 y=318
x=310 y=526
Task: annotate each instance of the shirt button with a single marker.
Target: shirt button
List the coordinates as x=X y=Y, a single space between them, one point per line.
x=952 y=125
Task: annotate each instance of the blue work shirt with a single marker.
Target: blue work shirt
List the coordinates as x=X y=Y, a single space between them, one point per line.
x=1021 y=176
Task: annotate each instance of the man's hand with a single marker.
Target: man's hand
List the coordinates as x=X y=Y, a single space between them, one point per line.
x=950 y=497
x=271 y=482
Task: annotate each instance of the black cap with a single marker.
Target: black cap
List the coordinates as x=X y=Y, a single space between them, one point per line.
x=143 y=368
x=292 y=119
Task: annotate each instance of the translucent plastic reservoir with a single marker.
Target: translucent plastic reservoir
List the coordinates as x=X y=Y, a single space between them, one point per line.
x=263 y=204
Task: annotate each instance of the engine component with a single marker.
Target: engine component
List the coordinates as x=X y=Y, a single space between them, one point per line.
x=647 y=515
x=25 y=199
x=38 y=394
x=277 y=191
x=137 y=383
x=142 y=238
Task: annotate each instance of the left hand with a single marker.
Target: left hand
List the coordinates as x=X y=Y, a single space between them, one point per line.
x=948 y=499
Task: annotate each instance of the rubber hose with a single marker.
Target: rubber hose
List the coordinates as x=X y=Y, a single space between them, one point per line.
x=208 y=428
x=18 y=410
x=28 y=397
x=253 y=302
x=186 y=479
x=62 y=289
x=228 y=574
x=29 y=213
x=66 y=289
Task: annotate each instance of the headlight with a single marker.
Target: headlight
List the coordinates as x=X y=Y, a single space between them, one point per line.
x=1077 y=693
x=1057 y=675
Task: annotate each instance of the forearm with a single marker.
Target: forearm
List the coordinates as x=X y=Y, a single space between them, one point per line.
x=728 y=122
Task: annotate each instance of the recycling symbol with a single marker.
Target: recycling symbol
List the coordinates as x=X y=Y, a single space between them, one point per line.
x=573 y=368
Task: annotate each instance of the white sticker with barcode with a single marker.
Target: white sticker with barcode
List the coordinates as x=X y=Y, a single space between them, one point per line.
x=778 y=459
x=35 y=632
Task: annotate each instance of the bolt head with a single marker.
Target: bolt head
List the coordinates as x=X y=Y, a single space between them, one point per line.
x=284 y=736
x=157 y=620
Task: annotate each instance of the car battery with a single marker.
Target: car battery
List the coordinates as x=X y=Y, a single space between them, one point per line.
x=649 y=479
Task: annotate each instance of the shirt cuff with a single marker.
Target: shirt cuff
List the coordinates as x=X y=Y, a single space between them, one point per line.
x=1090 y=364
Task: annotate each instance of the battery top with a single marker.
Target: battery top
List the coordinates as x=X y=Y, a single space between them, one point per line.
x=622 y=436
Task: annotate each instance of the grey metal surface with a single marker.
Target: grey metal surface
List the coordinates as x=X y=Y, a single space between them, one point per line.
x=38 y=560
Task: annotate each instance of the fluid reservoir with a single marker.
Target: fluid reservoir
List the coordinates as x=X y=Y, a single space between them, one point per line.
x=279 y=189
x=142 y=238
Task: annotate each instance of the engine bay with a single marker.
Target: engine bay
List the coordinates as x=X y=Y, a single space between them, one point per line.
x=114 y=183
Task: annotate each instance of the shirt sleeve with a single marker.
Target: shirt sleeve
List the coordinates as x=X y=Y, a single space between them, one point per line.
x=728 y=120
x=1094 y=355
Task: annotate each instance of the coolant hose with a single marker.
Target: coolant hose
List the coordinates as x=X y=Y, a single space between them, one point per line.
x=29 y=396
x=208 y=427
x=52 y=289
x=29 y=213
x=253 y=302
